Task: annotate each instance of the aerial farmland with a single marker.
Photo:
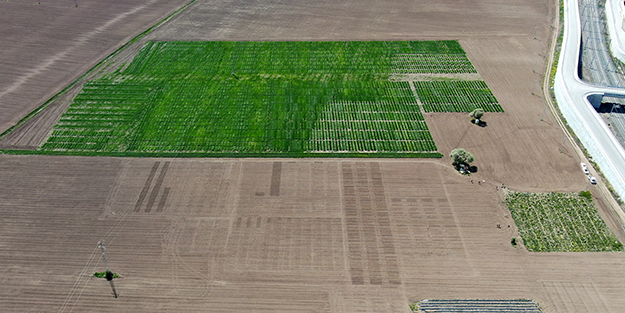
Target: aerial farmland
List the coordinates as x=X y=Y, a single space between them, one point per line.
x=271 y=156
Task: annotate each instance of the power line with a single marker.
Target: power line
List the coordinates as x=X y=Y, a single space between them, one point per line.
x=109 y=275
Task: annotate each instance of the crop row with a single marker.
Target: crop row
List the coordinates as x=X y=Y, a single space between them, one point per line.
x=335 y=146
x=370 y=145
x=341 y=134
x=208 y=59
x=560 y=222
x=431 y=63
x=369 y=116
x=233 y=116
x=400 y=105
x=388 y=125
x=456 y=96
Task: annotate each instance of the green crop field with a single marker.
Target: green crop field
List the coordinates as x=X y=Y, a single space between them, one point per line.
x=552 y=222
x=456 y=96
x=437 y=63
x=261 y=99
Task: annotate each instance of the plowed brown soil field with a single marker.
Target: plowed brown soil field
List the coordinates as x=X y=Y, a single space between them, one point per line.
x=306 y=235
x=46 y=45
x=272 y=236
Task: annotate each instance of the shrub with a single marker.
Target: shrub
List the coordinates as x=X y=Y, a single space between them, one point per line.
x=586 y=194
x=461 y=156
x=110 y=275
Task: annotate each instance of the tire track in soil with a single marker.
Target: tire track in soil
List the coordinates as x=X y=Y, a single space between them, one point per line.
x=371 y=249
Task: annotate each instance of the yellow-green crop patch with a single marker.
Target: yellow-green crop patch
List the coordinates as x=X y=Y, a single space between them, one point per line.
x=456 y=96
x=259 y=99
x=560 y=222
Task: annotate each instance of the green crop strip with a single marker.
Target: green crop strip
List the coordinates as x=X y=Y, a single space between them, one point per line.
x=437 y=63
x=456 y=96
x=560 y=222
x=261 y=99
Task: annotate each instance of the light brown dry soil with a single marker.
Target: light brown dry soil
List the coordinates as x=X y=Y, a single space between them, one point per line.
x=306 y=235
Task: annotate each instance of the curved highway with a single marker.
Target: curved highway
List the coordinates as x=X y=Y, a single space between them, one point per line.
x=576 y=99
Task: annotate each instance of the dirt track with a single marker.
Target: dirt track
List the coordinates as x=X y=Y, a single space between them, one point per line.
x=320 y=235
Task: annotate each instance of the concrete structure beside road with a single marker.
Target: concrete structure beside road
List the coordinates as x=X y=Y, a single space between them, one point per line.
x=577 y=98
x=615 y=14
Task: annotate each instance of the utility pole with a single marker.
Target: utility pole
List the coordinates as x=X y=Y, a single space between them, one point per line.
x=109 y=274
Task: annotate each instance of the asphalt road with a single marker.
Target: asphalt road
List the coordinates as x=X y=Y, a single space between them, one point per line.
x=598 y=67
x=596 y=58
x=573 y=98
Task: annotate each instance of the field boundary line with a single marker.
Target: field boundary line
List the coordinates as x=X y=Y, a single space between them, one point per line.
x=97 y=66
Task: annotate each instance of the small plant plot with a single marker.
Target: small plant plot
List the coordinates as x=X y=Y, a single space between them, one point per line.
x=259 y=98
x=560 y=222
x=456 y=96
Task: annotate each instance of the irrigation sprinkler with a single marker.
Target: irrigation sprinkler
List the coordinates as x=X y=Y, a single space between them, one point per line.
x=109 y=274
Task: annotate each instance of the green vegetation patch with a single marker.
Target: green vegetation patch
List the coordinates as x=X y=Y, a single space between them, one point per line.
x=456 y=96
x=560 y=222
x=436 y=63
x=259 y=99
x=103 y=275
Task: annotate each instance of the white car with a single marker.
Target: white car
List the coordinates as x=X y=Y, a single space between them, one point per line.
x=585 y=169
x=592 y=180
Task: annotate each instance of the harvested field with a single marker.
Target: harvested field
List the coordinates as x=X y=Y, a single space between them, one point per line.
x=47 y=46
x=185 y=234
x=522 y=147
x=272 y=235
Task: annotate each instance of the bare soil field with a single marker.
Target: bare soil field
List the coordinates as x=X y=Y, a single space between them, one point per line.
x=46 y=46
x=274 y=235
x=526 y=136
x=284 y=235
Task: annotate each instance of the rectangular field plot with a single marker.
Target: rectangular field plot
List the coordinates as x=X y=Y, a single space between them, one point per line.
x=560 y=222
x=432 y=64
x=265 y=99
x=242 y=116
x=330 y=60
x=456 y=96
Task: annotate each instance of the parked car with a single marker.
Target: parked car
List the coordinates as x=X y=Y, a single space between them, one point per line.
x=585 y=169
x=592 y=180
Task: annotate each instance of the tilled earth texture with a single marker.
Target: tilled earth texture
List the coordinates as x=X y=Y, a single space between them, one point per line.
x=272 y=235
x=46 y=45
